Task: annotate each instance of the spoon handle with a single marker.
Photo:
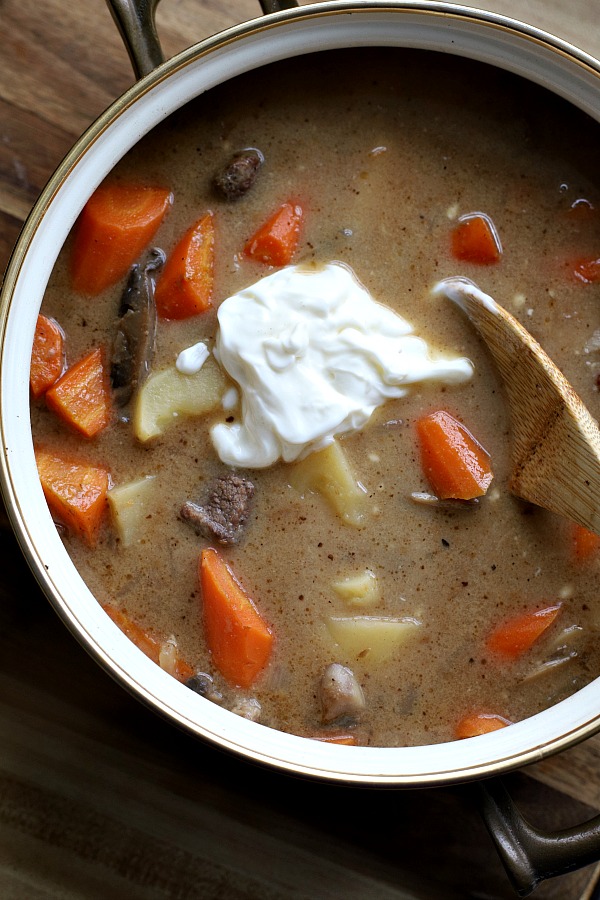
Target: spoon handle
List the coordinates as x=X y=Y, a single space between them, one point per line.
x=555 y=442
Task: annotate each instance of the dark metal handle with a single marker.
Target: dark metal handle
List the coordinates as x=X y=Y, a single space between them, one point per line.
x=273 y=6
x=135 y=20
x=528 y=854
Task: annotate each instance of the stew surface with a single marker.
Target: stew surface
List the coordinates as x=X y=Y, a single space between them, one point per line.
x=383 y=160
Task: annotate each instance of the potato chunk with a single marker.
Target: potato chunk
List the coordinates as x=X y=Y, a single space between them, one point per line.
x=328 y=472
x=130 y=504
x=371 y=638
x=360 y=590
x=169 y=394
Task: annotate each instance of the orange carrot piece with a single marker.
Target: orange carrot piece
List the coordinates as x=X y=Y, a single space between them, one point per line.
x=513 y=638
x=585 y=543
x=475 y=239
x=145 y=641
x=455 y=463
x=185 y=286
x=76 y=492
x=274 y=242
x=582 y=211
x=81 y=397
x=586 y=269
x=479 y=723
x=115 y=226
x=47 y=355
x=237 y=636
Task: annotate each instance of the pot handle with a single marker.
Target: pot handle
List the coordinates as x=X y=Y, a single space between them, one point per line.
x=528 y=854
x=135 y=20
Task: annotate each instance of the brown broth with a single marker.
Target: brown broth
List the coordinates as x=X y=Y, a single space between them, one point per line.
x=382 y=148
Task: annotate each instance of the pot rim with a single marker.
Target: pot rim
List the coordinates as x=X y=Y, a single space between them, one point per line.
x=459 y=30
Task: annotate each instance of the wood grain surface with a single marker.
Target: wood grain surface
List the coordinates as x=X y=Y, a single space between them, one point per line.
x=99 y=798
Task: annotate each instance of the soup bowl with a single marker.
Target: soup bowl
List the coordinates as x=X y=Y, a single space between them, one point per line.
x=162 y=88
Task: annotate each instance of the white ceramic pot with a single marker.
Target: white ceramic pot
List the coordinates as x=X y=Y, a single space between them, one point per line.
x=540 y=58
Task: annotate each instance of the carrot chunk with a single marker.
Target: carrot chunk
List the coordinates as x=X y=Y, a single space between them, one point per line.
x=47 y=355
x=479 y=723
x=76 y=492
x=586 y=269
x=585 y=543
x=274 y=242
x=148 y=643
x=517 y=635
x=455 y=463
x=115 y=226
x=582 y=211
x=186 y=284
x=475 y=239
x=237 y=636
x=81 y=397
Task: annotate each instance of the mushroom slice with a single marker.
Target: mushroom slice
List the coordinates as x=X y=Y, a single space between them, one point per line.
x=202 y=683
x=564 y=648
x=135 y=336
x=340 y=693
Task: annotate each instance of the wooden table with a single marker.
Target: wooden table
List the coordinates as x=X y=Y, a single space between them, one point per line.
x=99 y=798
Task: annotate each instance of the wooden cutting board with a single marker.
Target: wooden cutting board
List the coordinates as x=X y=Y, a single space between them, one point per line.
x=99 y=798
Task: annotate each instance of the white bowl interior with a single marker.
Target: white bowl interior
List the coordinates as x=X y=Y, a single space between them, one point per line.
x=480 y=36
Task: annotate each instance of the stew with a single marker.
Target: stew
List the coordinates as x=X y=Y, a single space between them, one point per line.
x=327 y=544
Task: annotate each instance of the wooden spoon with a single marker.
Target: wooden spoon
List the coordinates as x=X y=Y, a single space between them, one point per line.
x=555 y=442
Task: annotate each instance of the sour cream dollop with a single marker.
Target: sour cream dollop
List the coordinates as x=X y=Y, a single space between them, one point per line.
x=192 y=359
x=313 y=355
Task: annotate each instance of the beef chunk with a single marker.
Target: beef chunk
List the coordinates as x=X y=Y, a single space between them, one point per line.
x=223 y=515
x=239 y=174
